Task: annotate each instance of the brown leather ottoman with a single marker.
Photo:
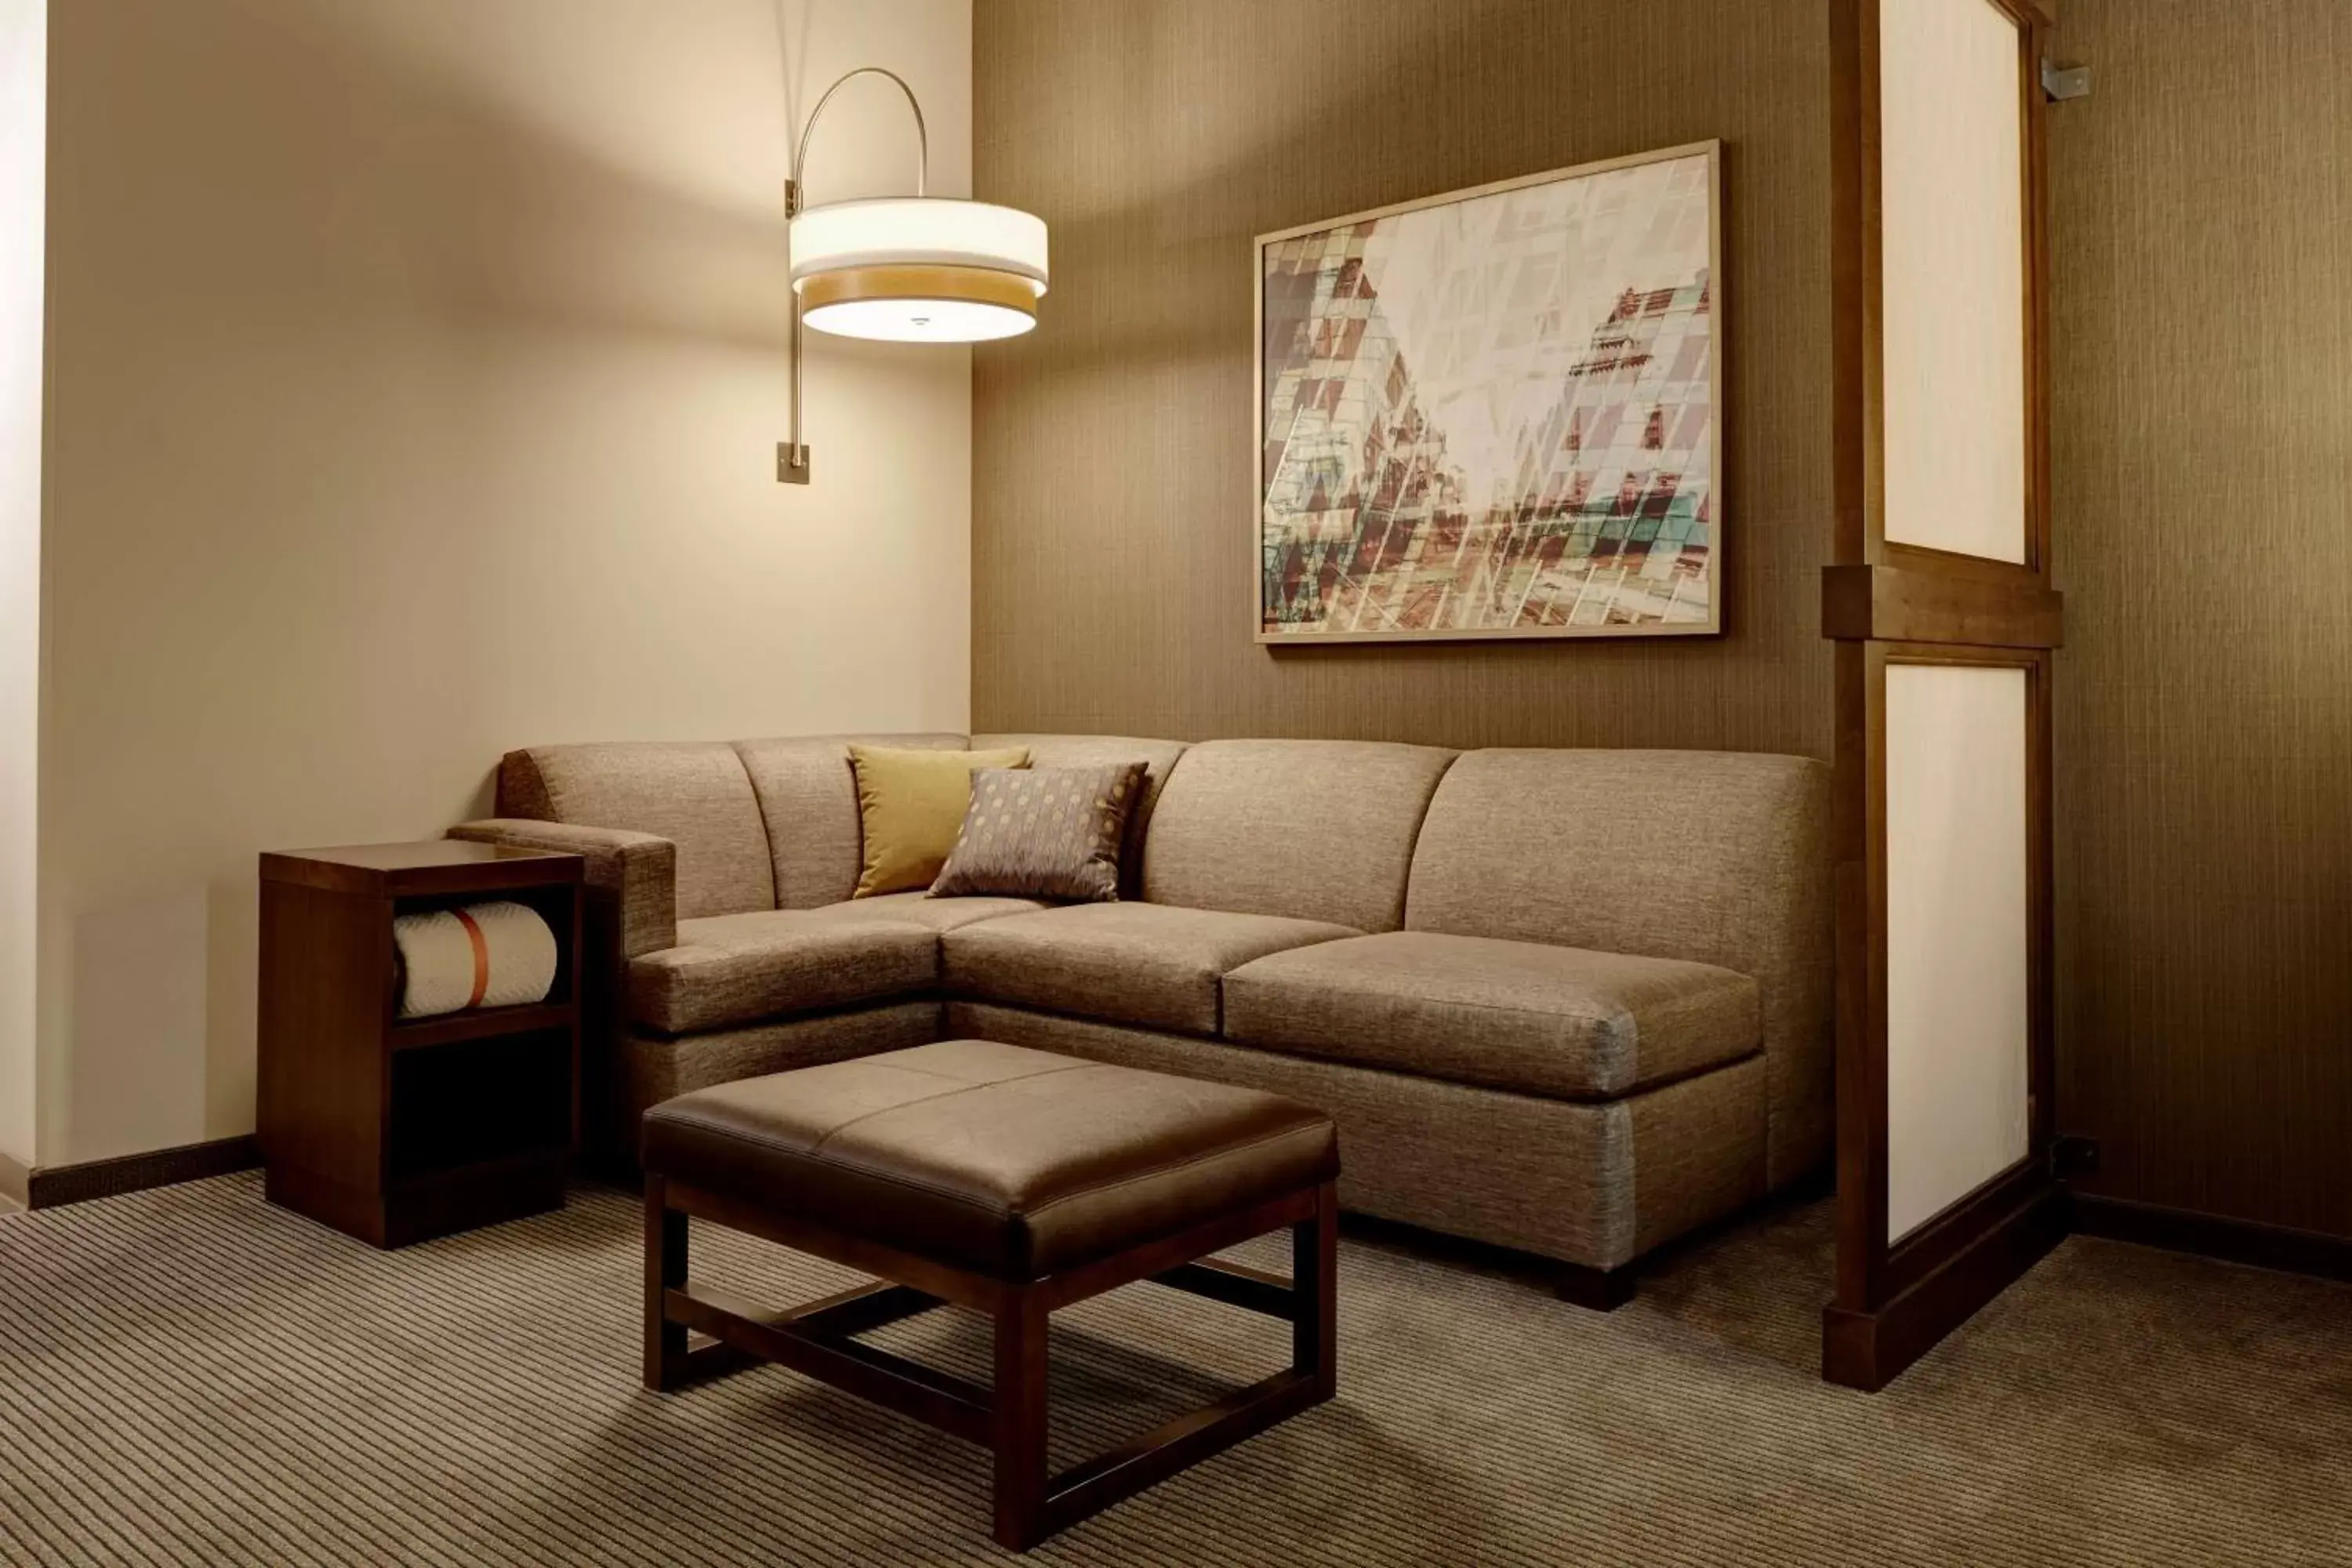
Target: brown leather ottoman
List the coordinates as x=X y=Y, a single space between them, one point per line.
x=1011 y=1181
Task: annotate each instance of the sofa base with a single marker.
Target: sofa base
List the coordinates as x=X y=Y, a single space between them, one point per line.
x=1587 y=1186
x=1593 y=1185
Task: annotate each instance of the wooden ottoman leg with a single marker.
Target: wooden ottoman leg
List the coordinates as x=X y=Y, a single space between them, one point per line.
x=1020 y=1419
x=1315 y=1286
x=665 y=1272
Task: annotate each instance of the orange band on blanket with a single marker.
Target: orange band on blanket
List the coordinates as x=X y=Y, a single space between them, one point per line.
x=481 y=958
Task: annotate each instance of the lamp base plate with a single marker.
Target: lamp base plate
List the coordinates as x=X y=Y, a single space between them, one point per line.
x=791 y=467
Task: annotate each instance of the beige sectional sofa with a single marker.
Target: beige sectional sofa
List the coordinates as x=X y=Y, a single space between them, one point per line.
x=1570 y=1002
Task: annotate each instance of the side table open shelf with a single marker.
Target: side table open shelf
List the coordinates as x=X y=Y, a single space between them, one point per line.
x=399 y=1130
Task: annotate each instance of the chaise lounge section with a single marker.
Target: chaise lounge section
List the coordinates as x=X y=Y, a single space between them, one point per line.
x=1574 y=1003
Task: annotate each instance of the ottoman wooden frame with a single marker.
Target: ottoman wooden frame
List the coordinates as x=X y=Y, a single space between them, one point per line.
x=820 y=1339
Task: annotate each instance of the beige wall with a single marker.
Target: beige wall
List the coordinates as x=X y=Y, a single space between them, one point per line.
x=23 y=79
x=417 y=367
x=2201 y=427
x=1112 y=483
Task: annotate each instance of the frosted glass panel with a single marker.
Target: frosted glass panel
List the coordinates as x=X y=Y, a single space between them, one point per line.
x=1957 y=1006
x=1952 y=232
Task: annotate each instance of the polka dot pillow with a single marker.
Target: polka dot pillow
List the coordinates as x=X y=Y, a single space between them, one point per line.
x=1042 y=833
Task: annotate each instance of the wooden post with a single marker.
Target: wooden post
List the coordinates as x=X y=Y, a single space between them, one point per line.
x=665 y=1236
x=1935 y=602
x=1019 y=1427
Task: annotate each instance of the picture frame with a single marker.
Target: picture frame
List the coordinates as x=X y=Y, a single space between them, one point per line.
x=1495 y=412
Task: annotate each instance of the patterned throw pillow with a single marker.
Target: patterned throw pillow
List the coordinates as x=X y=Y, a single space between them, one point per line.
x=1044 y=833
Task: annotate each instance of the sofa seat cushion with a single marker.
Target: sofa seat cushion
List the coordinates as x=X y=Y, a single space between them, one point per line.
x=733 y=969
x=1560 y=1021
x=1153 y=965
x=922 y=910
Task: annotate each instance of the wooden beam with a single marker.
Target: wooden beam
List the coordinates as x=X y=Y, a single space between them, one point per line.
x=1174 y=1446
x=1234 y=1284
x=1894 y=603
x=936 y=1398
x=1159 y=1257
x=858 y=1311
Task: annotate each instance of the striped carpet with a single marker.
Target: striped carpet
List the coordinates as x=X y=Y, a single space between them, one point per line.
x=190 y=1376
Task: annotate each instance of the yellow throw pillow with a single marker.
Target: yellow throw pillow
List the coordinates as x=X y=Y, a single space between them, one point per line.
x=910 y=804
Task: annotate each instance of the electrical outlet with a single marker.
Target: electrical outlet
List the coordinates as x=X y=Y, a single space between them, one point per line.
x=2073 y=1155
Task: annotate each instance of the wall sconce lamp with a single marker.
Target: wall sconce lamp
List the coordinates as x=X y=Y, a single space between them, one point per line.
x=914 y=270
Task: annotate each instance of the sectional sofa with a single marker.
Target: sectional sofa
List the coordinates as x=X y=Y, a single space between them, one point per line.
x=1573 y=1002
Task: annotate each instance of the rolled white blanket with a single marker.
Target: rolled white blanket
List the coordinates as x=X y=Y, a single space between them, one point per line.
x=495 y=954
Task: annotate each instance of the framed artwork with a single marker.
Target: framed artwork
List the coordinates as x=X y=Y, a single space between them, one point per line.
x=1494 y=413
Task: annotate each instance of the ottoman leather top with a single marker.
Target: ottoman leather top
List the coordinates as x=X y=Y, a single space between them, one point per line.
x=991 y=1158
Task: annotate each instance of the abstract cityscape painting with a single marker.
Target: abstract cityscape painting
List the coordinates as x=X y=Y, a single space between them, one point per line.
x=1495 y=412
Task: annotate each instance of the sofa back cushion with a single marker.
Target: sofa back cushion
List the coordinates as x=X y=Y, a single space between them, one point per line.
x=1105 y=751
x=808 y=799
x=694 y=793
x=1315 y=830
x=1715 y=857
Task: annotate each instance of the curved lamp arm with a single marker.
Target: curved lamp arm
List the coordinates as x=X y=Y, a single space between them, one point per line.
x=793 y=457
x=800 y=153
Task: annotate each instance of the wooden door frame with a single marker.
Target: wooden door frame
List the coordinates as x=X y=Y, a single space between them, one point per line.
x=1888 y=603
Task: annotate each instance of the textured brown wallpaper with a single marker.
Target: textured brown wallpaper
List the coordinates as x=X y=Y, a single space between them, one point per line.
x=2202 y=443
x=1112 y=489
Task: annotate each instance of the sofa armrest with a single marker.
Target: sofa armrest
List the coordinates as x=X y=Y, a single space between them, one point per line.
x=636 y=872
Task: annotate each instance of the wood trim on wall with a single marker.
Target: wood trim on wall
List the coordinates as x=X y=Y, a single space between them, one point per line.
x=1858 y=439
x=1899 y=603
x=14 y=1184
x=1888 y=603
x=2214 y=1236
x=60 y=1185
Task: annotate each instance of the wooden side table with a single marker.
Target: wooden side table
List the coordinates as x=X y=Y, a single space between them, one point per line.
x=399 y=1130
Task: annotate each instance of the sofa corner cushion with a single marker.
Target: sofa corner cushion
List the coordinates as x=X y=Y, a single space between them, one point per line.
x=1153 y=965
x=1560 y=1021
x=808 y=801
x=734 y=969
x=694 y=793
x=1318 y=830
